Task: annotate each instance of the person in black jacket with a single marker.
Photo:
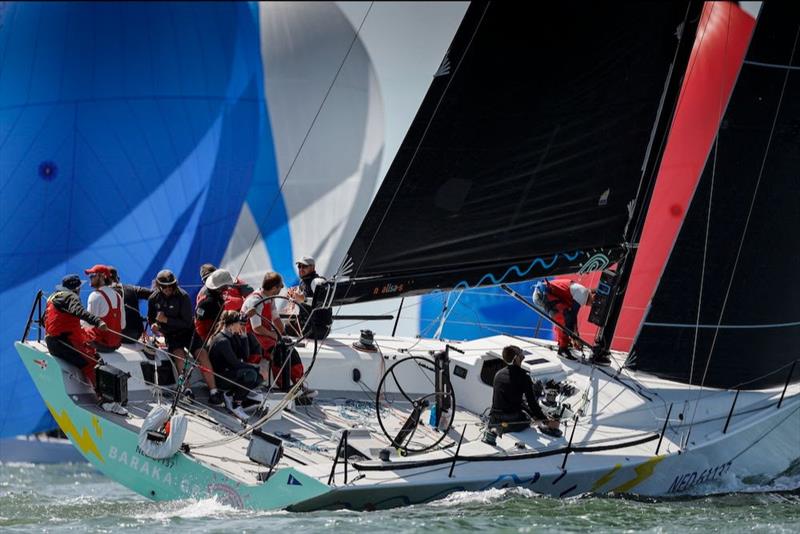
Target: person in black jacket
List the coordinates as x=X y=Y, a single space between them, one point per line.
x=131 y=295
x=511 y=384
x=228 y=352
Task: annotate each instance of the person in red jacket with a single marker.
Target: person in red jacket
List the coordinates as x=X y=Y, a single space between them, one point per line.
x=107 y=304
x=562 y=299
x=210 y=303
x=264 y=321
x=64 y=336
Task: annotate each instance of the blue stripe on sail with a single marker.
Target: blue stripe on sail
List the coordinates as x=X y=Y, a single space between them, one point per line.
x=268 y=208
x=129 y=134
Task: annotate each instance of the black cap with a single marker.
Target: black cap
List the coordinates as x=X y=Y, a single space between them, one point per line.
x=70 y=282
x=114 y=274
x=166 y=278
x=229 y=318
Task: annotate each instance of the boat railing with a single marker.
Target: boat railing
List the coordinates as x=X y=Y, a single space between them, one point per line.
x=36 y=308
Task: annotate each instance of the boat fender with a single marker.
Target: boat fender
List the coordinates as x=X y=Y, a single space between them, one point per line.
x=155 y=421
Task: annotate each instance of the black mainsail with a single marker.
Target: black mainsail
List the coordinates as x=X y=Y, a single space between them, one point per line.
x=529 y=149
x=727 y=309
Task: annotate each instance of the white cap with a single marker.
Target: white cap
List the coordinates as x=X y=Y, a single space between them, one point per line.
x=579 y=293
x=306 y=260
x=219 y=279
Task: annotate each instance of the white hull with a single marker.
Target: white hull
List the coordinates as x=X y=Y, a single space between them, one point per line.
x=613 y=448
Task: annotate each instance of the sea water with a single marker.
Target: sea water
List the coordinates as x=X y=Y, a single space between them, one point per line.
x=76 y=498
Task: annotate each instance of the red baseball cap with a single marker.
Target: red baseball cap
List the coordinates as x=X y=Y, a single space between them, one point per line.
x=99 y=269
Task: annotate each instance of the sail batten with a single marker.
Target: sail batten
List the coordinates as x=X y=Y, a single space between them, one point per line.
x=526 y=153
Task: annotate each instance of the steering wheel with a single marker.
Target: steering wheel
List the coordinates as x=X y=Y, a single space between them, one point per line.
x=402 y=438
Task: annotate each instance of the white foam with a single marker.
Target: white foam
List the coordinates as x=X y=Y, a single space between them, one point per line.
x=488 y=496
x=209 y=508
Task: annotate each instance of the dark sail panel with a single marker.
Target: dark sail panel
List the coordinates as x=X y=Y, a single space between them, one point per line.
x=749 y=292
x=528 y=149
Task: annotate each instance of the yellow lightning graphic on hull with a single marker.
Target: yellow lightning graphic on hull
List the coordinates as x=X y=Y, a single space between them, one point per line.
x=603 y=480
x=82 y=440
x=643 y=472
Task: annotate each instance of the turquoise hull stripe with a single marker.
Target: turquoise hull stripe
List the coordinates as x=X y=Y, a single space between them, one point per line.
x=113 y=451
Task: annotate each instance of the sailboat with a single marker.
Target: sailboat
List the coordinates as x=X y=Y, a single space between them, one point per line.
x=578 y=104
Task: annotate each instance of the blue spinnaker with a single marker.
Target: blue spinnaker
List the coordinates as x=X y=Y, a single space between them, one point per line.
x=129 y=134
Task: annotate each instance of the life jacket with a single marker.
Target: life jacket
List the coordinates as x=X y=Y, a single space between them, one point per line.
x=556 y=292
x=233 y=299
x=113 y=319
x=266 y=342
x=209 y=307
x=306 y=282
x=57 y=322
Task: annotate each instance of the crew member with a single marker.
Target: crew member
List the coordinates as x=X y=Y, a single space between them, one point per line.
x=169 y=312
x=265 y=323
x=511 y=384
x=309 y=281
x=107 y=304
x=303 y=294
x=228 y=352
x=209 y=307
x=66 y=339
x=562 y=299
x=131 y=295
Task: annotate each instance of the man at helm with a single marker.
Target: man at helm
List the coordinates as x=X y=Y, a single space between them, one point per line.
x=511 y=384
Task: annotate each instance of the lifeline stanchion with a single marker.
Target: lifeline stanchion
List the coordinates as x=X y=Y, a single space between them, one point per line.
x=30 y=316
x=342 y=441
x=569 y=445
x=39 y=317
x=455 y=456
x=730 y=414
x=397 y=319
x=345 y=456
x=663 y=429
x=786 y=385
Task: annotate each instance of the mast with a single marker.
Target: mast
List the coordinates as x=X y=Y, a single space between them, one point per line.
x=650 y=167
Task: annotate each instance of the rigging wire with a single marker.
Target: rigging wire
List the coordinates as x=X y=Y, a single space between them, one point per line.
x=416 y=149
x=308 y=133
x=708 y=226
x=747 y=219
